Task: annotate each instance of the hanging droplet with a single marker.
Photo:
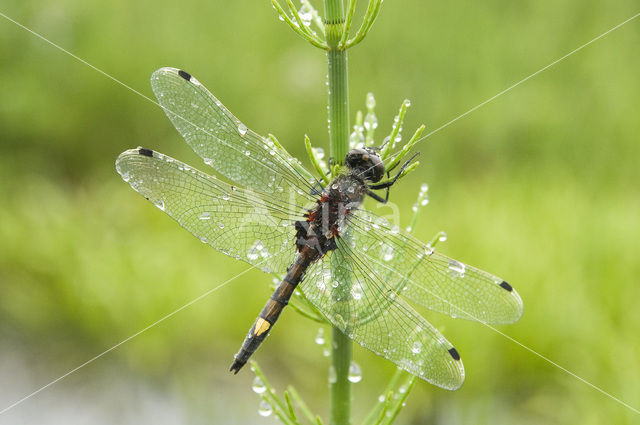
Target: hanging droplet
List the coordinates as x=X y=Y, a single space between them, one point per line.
x=457 y=268
x=332 y=375
x=265 y=408
x=258 y=386
x=355 y=373
x=371 y=101
x=442 y=237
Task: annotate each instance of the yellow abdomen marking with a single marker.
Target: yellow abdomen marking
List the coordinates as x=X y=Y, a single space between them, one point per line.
x=261 y=326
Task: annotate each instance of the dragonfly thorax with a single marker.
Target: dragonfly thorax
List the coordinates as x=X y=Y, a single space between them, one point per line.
x=365 y=163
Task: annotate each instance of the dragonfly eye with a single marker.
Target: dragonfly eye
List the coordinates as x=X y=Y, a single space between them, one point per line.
x=366 y=163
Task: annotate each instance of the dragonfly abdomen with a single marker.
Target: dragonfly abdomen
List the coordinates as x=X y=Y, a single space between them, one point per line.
x=272 y=309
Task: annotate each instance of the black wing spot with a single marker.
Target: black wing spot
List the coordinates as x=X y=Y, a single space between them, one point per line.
x=506 y=286
x=185 y=75
x=145 y=152
x=454 y=353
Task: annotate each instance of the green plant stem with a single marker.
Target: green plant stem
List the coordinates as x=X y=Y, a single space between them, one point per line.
x=341 y=352
x=341 y=346
x=338 y=81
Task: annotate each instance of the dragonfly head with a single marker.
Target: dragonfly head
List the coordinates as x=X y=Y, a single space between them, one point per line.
x=366 y=163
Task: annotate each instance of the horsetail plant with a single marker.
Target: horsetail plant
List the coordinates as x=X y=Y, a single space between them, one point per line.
x=333 y=33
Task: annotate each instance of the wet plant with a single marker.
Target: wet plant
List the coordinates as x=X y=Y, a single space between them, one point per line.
x=350 y=265
x=334 y=33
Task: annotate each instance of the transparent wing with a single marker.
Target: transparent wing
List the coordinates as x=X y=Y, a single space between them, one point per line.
x=429 y=278
x=240 y=223
x=226 y=144
x=362 y=305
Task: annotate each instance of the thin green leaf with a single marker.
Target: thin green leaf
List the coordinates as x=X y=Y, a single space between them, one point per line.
x=395 y=130
x=296 y=28
x=395 y=160
x=347 y=26
x=301 y=404
x=307 y=314
x=370 y=15
x=270 y=394
x=399 y=403
x=315 y=16
x=317 y=164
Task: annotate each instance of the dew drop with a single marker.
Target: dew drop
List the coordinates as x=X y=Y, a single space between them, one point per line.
x=264 y=409
x=371 y=101
x=160 y=204
x=205 y=216
x=424 y=187
x=388 y=254
x=242 y=129
x=407 y=103
x=221 y=225
x=226 y=197
x=332 y=375
x=424 y=201
x=416 y=348
x=457 y=268
x=357 y=292
x=258 y=386
x=443 y=237
x=320 y=340
x=355 y=373
x=252 y=254
x=370 y=122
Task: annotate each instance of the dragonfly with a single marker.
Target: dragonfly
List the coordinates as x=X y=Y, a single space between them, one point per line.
x=361 y=273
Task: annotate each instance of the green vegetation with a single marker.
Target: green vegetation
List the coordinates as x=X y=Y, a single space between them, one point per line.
x=539 y=186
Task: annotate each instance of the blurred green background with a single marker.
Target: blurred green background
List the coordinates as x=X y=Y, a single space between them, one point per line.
x=540 y=186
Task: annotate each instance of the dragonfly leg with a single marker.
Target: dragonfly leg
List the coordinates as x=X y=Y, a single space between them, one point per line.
x=378 y=197
x=395 y=179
